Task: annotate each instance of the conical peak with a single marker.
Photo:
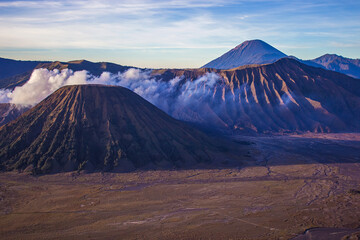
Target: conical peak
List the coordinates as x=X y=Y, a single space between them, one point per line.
x=249 y=52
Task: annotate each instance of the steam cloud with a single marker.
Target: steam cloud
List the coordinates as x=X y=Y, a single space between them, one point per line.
x=42 y=83
x=167 y=95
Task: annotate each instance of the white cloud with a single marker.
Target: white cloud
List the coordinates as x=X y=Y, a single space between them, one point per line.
x=118 y=25
x=30 y=4
x=167 y=95
x=44 y=82
x=5 y=95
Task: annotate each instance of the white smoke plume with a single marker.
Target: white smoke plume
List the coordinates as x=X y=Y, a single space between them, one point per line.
x=164 y=94
x=199 y=87
x=44 y=82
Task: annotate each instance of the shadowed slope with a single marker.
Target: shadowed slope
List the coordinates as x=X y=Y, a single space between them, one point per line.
x=96 y=127
x=249 y=52
x=9 y=67
x=9 y=112
x=15 y=72
x=284 y=96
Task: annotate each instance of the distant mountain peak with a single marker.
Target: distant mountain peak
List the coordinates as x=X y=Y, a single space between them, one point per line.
x=338 y=63
x=249 y=52
x=330 y=55
x=246 y=43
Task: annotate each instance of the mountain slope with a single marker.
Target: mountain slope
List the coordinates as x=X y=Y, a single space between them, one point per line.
x=340 y=64
x=249 y=52
x=93 y=127
x=9 y=112
x=285 y=96
x=9 y=67
x=12 y=70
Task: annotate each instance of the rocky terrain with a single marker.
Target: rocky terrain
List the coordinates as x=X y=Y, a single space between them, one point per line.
x=285 y=96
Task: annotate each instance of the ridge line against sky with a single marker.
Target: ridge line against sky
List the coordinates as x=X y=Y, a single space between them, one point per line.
x=188 y=33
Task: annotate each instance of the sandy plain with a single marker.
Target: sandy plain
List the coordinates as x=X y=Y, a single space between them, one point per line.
x=292 y=184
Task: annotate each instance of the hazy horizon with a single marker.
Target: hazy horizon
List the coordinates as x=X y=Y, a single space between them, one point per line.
x=175 y=34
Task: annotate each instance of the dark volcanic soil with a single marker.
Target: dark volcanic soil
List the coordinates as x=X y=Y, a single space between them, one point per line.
x=297 y=183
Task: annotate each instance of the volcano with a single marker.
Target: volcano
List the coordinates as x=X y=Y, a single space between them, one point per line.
x=100 y=128
x=285 y=96
x=249 y=52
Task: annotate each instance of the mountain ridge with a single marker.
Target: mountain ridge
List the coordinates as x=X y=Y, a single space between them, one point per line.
x=339 y=63
x=21 y=75
x=285 y=96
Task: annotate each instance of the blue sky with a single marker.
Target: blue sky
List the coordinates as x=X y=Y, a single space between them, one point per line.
x=175 y=33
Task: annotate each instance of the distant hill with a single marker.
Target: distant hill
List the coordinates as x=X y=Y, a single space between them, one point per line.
x=247 y=53
x=94 y=68
x=16 y=73
x=338 y=63
x=9 y=67
x=102 y=128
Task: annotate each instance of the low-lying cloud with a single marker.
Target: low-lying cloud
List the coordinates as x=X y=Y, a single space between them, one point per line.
x=44 y=82
x=167 y=95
